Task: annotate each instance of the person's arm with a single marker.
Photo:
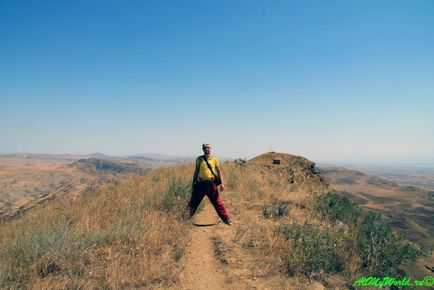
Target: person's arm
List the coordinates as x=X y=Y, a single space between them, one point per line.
x=196 y=173
x=219 y=172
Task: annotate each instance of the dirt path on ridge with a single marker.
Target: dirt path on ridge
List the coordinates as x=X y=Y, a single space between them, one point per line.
x=202 y=268
x=232 y=267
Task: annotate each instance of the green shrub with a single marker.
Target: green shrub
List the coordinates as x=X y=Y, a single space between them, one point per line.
x=220 y=249
x=277 y=210
x=173 y=198
x=310 y=250
x=334 y=206
x=178 y=254
x=382 y=252
x=240 y=162
x=41 y=245
x=179 y=189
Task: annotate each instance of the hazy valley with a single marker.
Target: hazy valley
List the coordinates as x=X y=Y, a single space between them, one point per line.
x=410 y=208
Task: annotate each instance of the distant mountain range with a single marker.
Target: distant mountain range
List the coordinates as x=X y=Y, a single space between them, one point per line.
x=161 y=159
x=64 y=157
x=151 y=158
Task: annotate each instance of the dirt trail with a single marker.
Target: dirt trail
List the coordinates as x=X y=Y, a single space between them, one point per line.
x=232 y=268
x=202 y=269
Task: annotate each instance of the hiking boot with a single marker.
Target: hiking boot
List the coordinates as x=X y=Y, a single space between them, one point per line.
x=228 y=222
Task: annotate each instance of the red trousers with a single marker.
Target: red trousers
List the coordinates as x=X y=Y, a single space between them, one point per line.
x=211 y=190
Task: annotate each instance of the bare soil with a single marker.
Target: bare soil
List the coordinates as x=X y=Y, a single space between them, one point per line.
x=214 y=260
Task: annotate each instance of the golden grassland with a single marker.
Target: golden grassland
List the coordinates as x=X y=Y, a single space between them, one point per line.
x=125 y=235
x=133 y=234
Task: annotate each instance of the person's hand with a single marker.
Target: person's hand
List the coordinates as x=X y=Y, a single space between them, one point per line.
x=222 y=186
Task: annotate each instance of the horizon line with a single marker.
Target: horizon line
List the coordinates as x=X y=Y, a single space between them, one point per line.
x=405 y=161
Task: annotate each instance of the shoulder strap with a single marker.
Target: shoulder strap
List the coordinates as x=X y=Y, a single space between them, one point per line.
x=209 y=166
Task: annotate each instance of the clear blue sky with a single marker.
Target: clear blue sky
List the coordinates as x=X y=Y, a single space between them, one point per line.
x=328 y=80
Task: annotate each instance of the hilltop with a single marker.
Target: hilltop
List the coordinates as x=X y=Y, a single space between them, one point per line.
x=282 y=159
x=297 y=170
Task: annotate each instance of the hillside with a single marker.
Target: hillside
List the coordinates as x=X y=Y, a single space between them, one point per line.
x=421 y=176
x=409 y=208
x=291 y=231
x=101 y=166
x=28 y=180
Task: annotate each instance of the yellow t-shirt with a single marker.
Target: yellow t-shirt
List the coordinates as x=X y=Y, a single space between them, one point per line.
x=204 y=172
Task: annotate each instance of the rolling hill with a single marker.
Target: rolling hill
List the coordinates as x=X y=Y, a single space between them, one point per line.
x=409 y=208
x=28 y=180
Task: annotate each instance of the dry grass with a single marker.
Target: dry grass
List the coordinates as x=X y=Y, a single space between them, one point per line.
x=281 y=225
x=127 y=235
x=264 y=196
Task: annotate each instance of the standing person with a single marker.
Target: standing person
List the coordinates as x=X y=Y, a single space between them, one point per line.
x=205 y=181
